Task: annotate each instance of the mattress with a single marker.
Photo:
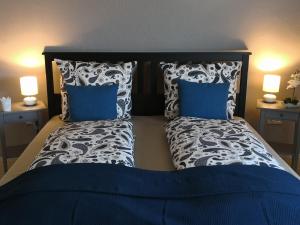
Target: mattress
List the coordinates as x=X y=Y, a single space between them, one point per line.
x=151 y=147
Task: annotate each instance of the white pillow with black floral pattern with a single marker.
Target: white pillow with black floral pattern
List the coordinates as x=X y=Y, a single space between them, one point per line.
x=103 y=141
x=218 y=72
x=79 y=73
x=208 y=142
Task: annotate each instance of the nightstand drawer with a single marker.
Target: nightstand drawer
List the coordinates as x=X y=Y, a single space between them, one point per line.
x=282 y=115
x=20 y=117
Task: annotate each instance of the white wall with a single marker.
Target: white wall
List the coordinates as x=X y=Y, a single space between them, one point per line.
x=265 y=27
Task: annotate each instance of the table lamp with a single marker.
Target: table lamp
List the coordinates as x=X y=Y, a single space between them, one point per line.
x=29 y=88
x=271 y=85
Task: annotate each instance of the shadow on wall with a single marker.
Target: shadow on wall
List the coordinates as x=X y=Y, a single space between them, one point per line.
x=9 y=81
x=105 y=39
x=10 y=86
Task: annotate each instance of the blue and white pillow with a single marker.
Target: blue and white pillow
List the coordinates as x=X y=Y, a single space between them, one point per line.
x=219 y=72
x=79 y=73
x=208 y=142
x=102 y=141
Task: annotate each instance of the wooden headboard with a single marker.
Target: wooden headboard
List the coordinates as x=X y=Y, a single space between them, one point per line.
x=147 y=93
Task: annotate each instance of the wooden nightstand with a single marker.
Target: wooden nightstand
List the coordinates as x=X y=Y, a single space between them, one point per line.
x=278 y=111
x=34 y=115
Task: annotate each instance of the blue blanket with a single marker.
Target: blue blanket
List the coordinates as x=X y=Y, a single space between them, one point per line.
x=98 y=194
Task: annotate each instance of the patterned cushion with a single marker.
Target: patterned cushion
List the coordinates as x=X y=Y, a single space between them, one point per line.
x=103 y=141
x=201 y=142
x=219 y=72
x=79 y=73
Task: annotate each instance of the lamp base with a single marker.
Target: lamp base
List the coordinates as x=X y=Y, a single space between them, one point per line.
x=269 y=98
x=30 y=101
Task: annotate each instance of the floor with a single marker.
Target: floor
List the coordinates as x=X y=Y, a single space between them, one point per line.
x=288 y=159
x=10 y=162
x=285 y=151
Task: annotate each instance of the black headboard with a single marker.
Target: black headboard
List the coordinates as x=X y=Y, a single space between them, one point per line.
x=147 y=93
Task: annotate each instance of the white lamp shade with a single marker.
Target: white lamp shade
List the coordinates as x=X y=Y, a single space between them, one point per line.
x=29 y=85
x=271 y=83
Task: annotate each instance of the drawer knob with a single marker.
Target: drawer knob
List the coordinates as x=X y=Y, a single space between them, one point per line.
x=20 y=117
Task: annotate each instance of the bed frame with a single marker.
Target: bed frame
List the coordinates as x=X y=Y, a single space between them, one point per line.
x=147 y=93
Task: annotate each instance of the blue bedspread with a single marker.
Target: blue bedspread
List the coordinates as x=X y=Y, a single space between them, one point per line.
x=98 y=194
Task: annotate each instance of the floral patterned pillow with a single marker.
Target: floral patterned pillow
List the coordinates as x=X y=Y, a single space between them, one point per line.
x=208 y=142
x=218 y=72
x=103 y=141
x=79 y=73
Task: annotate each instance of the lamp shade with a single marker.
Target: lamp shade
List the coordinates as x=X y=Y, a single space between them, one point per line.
x=271 y=83
x=29 y=85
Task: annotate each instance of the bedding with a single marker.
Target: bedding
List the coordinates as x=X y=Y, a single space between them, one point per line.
x=202 y=142
x=80 y=73
x=92 y=102
x=100 y=141
x=219 y=72
x=80 y=194
x=150 y=144
x=207 y=100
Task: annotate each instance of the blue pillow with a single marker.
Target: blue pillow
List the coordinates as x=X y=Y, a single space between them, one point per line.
x=204 y=100
x=92 y=102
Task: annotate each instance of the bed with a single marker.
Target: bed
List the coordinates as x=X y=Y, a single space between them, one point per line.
x=130 y=191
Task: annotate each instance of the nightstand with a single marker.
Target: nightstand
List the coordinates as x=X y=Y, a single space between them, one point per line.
x=278 y=111
x=34 y=115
